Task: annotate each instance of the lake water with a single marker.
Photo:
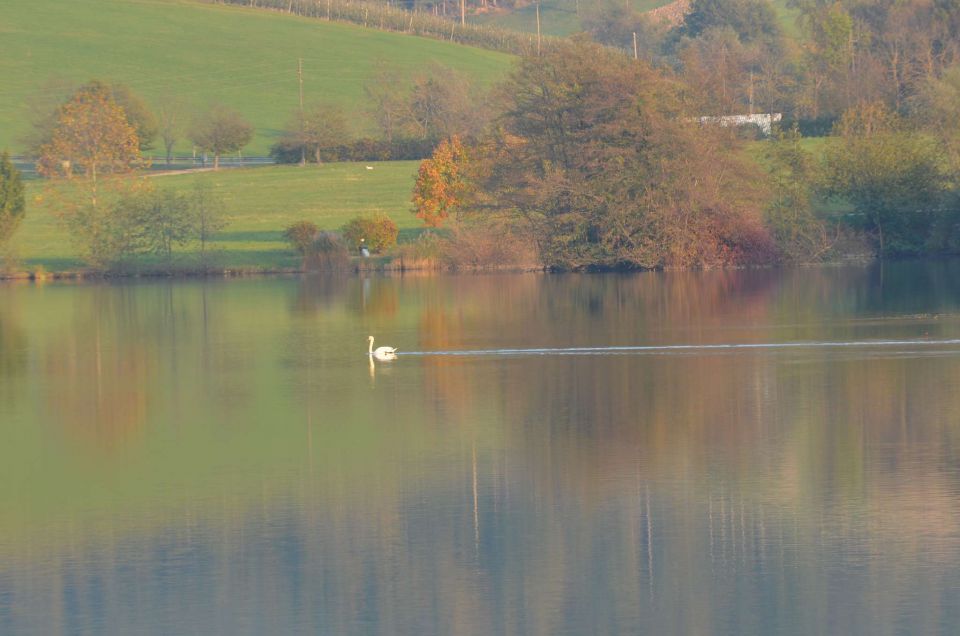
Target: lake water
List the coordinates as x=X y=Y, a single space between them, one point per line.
x=548 y=455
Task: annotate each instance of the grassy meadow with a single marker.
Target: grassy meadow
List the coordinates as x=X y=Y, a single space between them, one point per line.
x=187 y=54
x=259 y=203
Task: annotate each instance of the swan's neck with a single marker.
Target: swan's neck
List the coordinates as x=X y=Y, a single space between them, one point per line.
x=370 y=350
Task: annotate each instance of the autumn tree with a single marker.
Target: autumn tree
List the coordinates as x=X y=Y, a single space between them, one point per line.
x=92 y=151
x=441 y=183
x=596 y=161
x=718 y=66
x=12 y=206
x=45 y=111
x=92 y=137
x=221 y=130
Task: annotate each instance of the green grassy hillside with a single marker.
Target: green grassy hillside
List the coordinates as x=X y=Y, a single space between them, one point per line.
x=259 y=204
x=183 y=51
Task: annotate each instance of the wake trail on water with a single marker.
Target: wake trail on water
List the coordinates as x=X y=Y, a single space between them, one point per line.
x=683 y=348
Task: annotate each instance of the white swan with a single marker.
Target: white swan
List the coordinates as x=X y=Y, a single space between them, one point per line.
x=382 y=353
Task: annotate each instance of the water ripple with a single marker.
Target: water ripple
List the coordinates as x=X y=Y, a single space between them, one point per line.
x=682 y=348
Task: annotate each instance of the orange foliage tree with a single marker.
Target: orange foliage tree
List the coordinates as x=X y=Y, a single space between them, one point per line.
x=89 y=157
x=441 y=183
x=92 y=135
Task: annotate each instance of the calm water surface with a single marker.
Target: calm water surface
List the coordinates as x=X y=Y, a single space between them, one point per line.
x=552 y=455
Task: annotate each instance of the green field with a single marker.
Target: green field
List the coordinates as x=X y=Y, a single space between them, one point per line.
x=193 y=54
x=259 y=203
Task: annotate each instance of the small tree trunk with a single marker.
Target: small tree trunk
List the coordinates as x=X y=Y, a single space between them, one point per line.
x=216 y=161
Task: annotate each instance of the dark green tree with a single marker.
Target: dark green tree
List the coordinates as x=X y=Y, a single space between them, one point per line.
x=752 y=20
x=161 y=219
x=799 y=233
x=891 y=176
x=12 y=204
x=207 y=210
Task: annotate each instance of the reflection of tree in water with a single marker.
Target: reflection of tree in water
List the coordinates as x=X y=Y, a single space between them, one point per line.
x=102 y=369
x=375 y=297
x=664 y=493
x=13 y=345
x=321 y=292
x=806 y=418
x=446 y=378
x=13 y=340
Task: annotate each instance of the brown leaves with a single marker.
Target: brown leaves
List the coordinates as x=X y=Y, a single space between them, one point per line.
x=92 y=136
x=441 y=183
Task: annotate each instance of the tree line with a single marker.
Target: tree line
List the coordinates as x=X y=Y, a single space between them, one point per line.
x=596 y=160
x=90 y=146
x=590 y=158
x=736 y=53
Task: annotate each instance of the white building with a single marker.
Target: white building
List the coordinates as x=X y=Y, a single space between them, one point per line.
x=764 y=121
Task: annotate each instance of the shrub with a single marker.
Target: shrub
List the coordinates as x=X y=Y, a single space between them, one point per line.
x=480 y=247
x=364 y=149
x=379 y=232
x=425 y=252
x=301 y=236
x=327 y=253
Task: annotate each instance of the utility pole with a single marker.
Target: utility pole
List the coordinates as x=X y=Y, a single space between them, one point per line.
x=303 y=149
x=538 y=28
x=635 y=55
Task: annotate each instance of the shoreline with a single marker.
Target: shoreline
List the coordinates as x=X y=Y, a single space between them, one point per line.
x=392 y=267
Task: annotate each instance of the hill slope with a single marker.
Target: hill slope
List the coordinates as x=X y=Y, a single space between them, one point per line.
x=194 y=53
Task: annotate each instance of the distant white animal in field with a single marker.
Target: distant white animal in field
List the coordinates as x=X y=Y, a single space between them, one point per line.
x=369 y=167
x=382 y=353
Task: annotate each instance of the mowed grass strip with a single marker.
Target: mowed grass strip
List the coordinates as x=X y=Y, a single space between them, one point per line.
x=189 y=54
x=259 y=204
